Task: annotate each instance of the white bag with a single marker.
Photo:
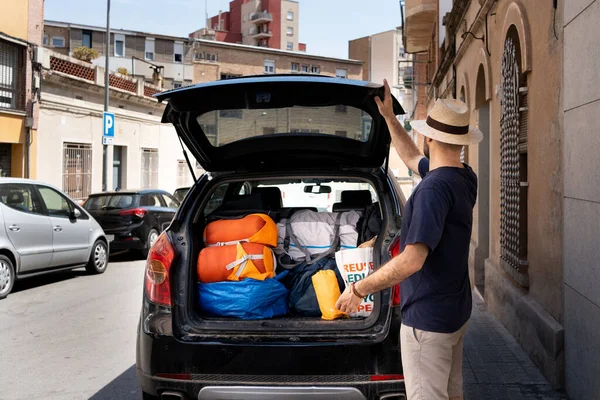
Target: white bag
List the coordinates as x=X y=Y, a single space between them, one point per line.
x=354 y=265
x=315 y=232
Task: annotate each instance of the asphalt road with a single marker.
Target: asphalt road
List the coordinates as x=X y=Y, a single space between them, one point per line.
x=71 y=335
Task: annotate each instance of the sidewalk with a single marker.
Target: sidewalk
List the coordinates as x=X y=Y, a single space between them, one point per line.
x=495 y=366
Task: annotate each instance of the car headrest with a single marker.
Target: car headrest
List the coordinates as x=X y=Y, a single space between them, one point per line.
x=360 y=198
x=15 y=198
x=271 y=197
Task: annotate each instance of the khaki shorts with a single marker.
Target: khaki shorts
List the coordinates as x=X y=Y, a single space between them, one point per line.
x=432 y=363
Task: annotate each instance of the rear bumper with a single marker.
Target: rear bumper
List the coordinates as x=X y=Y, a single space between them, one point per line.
x=372 y=370
x=126 y=243
x=204 y=387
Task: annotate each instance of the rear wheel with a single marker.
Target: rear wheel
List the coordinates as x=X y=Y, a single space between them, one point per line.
x=7 y=276
x=98 y=259
x=152 y=236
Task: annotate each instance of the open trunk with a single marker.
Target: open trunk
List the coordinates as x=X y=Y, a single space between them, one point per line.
x=290 y=327
x=307 y=129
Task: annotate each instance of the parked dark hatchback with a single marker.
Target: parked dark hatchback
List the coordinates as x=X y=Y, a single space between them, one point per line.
x=132 y=220
x=270 y=129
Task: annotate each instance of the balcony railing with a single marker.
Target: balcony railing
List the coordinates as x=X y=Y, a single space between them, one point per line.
x=68 y=66
x=261 y=17
x=262 y=34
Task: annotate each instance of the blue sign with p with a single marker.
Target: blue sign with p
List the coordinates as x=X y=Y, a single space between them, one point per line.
x=109 y=124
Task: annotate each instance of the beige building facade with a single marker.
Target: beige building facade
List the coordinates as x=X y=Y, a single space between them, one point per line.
x=219 y=60
x=140 y=53
x=384 y=57
x=581 y=216
x=504 y=59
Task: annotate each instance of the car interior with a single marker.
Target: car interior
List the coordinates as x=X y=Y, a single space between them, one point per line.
x=270 y=198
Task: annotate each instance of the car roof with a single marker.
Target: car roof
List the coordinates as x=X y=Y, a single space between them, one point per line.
x=6 y=180
x=128 y=191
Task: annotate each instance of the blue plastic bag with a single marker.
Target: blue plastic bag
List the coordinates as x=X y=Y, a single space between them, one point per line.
x=246 y=299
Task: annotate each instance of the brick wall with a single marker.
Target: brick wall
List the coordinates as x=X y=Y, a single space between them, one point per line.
x=359 y=50
x=240 y=61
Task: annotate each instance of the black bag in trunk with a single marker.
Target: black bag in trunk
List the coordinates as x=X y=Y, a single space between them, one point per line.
x=303 y=299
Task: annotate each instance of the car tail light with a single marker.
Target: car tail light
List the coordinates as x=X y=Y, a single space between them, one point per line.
x=391 y=377
x=394 y=251
x=138 y=212
x=157 y=284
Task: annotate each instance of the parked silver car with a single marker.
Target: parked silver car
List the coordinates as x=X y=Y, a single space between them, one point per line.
x=42 y=230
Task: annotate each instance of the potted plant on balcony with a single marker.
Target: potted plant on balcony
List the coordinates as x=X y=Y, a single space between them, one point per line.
x=86 y=54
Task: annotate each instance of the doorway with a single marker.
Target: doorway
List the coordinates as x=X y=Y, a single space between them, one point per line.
x=483 y=197
x=118 y=167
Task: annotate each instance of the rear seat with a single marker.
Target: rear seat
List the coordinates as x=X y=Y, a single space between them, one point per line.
x=356 y=200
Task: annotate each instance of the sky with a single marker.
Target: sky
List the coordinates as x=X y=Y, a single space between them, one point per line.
x=326 y=26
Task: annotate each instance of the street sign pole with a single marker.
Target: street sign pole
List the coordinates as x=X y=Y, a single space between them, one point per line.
x=105 y=165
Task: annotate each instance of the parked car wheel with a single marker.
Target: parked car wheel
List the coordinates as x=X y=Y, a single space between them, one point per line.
x=98 y=259
x=7 y=276
x=152 y=236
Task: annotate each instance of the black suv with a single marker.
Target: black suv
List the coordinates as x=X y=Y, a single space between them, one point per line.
x=132 y=219
x=252 y=132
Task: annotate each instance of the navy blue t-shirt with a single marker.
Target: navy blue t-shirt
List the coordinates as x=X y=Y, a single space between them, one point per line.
x=439 y=214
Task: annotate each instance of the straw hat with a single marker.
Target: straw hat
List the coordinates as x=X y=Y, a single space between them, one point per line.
x=448 y=122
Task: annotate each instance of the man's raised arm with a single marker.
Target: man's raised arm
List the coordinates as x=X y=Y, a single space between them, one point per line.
x=406 y=148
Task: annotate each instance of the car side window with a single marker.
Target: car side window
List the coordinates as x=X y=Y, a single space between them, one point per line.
x=56 y=204
x=19 y=197
x=150 y=200
x=216 y=200
x=170 y=201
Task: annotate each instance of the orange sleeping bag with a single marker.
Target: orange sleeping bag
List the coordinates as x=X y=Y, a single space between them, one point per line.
x=238 y=249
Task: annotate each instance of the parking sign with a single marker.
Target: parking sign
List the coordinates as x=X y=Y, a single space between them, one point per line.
x=109 y=125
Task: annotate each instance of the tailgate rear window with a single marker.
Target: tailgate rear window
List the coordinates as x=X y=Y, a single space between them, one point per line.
x=222 y=127
x=110 y=202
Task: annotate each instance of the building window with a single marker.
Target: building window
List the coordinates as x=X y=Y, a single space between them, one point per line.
x=229 y=76
x=290 y=16
x=45 y=40
x=513 y=164
x=86 y=39
x=295 y=67
x=77 y=170
x=341 y=73
x=269 y=67
x=149 y=168
x=315 y=70
x=290 y=31
x=12 y=76
x=119 y=46
x=213 y=58
x=306 y=69
x=178 y=52
x=58 y=41
x=177 y=85
x=238 y=114
x=149 y=49
x=290 y=45
x=199 y=56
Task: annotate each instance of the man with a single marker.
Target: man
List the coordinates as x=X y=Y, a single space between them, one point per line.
x=434 y=243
